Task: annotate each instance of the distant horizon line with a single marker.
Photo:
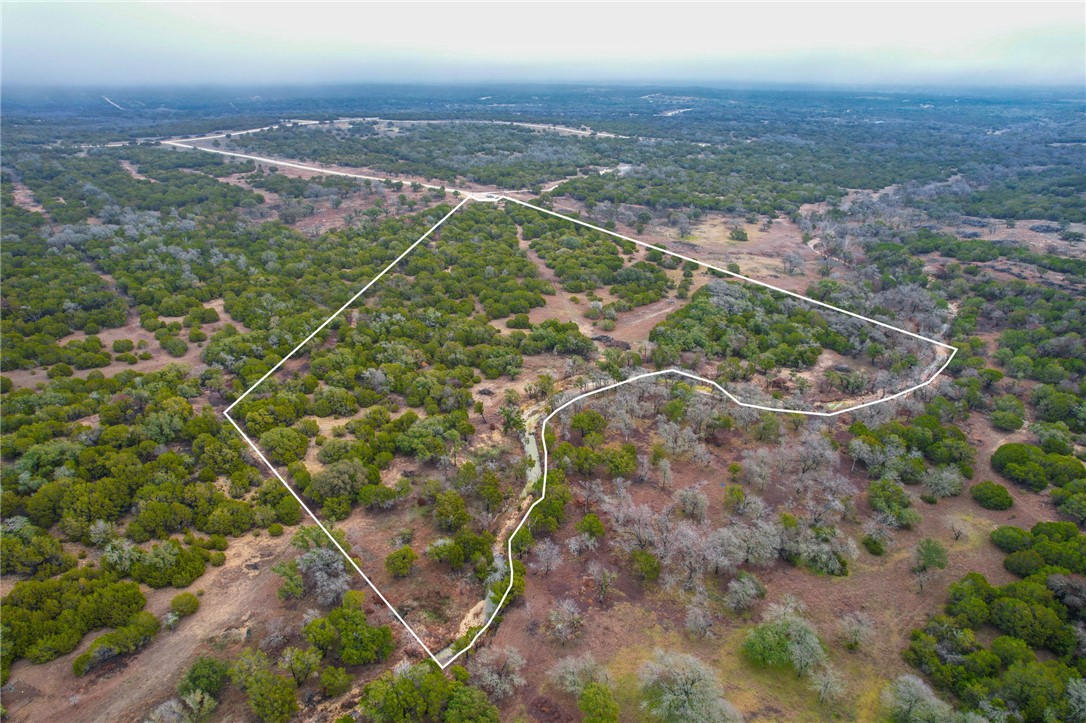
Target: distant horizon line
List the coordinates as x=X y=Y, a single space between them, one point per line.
x=1074 y=88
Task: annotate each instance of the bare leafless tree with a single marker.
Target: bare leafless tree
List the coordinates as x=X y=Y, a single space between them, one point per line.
x=723 y=551
x=574 y=672
x=547 y=557
x=323 y=569
x=793 y=262
x=856 y=629
x=564 y=621
x=699 y=622
x=591 y=491
x=827 y=684
x=497 y=671
x=743 y=592
x=692 y=502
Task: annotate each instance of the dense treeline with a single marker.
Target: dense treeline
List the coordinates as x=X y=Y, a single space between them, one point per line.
x=46 y=619
x=773 y=166
x=748 y=328
x=794 y=144
x=1040 y=337
x=1052 y=193
x=290 y=187
x=498 y=155
x=1035 y=468
x=147 y=471
x=50 y=291
x=1024 y=672
x=18 y=221
x=973 y=250
x=73 y=188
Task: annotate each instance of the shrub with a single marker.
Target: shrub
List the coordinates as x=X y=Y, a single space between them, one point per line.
x=173 y=345
x=346 y=631
x=1011 y=539
x=272 y=698
x=590 y=525
x=873 y=545
x=991 y=496
x=185 y=604
x=1012 y=650
x=767 y=646
x=1071 y=500
x=891 y=499
x=1023 y=563
x=519 y=321
x=450 y=513
x=785 y=638
x=335 y=681
x=597 y=704
x=423 y=692
x=206 y=674
x=401 y=562
x=337 y=508
x=126 y=639
x=645 y=565
x=284 y=445
x=58 y=371
x=1006 y=421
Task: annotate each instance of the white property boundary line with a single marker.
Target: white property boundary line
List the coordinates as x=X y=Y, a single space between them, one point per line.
x=289 y=164
x=226 y=413
x=543 y=426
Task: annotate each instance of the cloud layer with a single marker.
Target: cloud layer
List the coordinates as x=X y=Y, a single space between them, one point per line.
x=989 y=44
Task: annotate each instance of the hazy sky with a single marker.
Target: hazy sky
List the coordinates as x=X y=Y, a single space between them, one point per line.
x=994 y=44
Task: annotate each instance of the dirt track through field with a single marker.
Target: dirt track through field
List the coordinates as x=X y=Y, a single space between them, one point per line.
x=236 y=598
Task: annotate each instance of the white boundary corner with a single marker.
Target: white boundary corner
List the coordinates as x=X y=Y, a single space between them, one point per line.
x=543 y=427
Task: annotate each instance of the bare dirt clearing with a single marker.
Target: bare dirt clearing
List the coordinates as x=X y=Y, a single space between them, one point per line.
x=134 y=172
x=25 y=197
x=760 y=257
x=1021 y=231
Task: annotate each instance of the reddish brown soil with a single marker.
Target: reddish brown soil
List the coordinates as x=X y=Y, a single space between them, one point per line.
x=621 y=632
